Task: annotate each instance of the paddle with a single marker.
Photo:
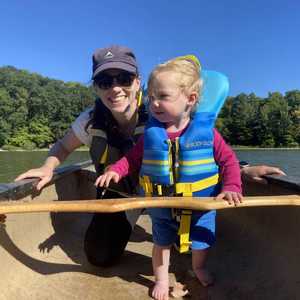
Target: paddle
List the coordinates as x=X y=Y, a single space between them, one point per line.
x=122 y=204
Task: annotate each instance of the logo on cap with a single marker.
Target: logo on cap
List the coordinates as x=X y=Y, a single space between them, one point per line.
x=108 y=55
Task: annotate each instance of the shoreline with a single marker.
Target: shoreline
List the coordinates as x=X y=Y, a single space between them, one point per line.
x=38 y=150
x=255 y=148
x=87 y=149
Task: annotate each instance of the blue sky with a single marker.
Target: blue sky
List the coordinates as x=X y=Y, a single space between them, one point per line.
x=255 y=43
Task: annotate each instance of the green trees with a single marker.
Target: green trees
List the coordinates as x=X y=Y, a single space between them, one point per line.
x=271 y=122
x=35 y=111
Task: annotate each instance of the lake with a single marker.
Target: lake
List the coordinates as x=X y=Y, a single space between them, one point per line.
x=16 y=162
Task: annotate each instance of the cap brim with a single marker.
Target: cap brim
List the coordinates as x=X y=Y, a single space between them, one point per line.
x=114 y=65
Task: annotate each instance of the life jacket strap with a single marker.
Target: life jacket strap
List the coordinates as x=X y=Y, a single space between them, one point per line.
x=147 y=186
x=104 y=156
x=178 y=189
x=184 y=230
x=185 y=189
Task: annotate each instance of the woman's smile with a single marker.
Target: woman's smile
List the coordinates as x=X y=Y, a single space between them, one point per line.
x=117 y=99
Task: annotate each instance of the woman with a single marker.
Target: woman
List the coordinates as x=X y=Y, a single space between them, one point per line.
x=110 y=130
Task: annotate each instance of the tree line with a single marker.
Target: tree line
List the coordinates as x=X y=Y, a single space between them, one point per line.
x=35 y=111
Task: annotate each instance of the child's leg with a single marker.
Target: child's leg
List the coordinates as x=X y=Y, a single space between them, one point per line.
x=160 y=263
x=198 y=262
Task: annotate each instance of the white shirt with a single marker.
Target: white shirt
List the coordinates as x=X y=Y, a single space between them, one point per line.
x=78 y=127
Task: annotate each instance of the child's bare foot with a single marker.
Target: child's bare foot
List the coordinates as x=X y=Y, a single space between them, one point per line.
x=204 y=276
x=161 y=290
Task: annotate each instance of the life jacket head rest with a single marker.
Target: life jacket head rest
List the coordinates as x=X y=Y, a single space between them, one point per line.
x=215 y=90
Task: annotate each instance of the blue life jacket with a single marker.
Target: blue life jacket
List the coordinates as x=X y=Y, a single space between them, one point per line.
x=190 y=159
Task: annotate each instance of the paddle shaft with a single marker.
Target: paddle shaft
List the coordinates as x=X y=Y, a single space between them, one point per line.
x=123 y=204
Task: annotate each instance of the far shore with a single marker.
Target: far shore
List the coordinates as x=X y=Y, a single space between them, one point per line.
x=42 y=150
x=256 y=148
x=87 y=149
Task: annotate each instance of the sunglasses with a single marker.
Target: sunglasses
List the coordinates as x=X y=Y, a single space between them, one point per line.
x=106 y=81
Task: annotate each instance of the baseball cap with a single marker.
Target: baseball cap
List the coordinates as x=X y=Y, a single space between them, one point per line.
x=114 y=57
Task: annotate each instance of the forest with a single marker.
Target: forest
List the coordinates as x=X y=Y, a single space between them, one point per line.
x=35 y=111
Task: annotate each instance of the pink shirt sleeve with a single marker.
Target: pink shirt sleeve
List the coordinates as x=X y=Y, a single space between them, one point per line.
x=131 y=162
x=228 y=163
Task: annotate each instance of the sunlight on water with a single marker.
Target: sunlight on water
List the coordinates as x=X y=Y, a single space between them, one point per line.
x=14 y=163
x=287 y=160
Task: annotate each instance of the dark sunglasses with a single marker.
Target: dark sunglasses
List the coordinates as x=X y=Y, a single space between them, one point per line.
x=106 y=81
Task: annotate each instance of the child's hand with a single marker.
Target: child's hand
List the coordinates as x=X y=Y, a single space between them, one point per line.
x=231 y=197
x=105 y=179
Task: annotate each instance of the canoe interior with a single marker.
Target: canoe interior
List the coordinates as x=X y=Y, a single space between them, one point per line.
x=255 y=257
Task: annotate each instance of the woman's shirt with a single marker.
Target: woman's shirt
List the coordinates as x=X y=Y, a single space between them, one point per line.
x=79 y=127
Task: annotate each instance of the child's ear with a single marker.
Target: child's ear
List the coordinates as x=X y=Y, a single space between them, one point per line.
x=192 y=98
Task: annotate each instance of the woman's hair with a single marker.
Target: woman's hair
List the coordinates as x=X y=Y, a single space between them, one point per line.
x=187 y=68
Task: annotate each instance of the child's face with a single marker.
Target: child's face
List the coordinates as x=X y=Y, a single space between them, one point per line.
x=168 y=102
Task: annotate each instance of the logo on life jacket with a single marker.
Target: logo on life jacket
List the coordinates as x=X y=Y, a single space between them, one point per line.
x=198 y=144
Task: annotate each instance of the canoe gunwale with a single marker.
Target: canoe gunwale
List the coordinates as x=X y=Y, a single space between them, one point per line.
x=289 y=182
x=18 y=190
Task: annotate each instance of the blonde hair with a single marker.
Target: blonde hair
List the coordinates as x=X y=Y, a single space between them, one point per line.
x=187 y=68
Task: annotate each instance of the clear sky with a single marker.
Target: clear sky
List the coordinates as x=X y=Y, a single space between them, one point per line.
x=255 y=43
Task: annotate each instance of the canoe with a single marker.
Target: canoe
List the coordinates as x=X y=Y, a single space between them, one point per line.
x=41 y=253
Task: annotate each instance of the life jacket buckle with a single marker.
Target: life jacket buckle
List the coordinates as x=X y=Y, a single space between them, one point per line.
x=168 y=190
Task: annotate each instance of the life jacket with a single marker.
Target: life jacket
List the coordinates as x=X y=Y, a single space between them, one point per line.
x=185 y=167
x=108 y=144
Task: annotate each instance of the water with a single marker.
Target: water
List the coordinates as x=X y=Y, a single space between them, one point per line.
x=14 y=163
x=287 y=160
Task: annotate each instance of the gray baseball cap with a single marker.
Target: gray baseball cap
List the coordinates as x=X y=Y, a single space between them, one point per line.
x=114 y=57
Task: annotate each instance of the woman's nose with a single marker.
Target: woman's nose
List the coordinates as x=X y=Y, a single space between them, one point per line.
x=115 y=84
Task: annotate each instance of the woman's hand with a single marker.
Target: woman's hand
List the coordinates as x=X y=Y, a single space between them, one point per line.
x=231 y=197
x=44 y=173
x=256 y=173
x=105 y=179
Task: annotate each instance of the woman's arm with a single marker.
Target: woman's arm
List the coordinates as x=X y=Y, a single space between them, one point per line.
x=57 y=154
x=256 y=173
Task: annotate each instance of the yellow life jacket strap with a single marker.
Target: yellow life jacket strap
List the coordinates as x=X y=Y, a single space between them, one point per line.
x=147 y=186
x=139 y=97
x=186 y=189
x=184 y=230
x=104 y=156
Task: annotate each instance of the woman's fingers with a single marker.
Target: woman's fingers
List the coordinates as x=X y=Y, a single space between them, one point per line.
x=45 y=176
x=43 y=182
x=28 y=174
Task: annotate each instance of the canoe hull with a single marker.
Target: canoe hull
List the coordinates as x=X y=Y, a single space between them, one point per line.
x=42 y=254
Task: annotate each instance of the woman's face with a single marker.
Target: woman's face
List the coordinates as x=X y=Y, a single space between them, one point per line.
x=117 y=89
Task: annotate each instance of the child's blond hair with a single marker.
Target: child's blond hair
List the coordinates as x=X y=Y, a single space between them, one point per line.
x=187 y=68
